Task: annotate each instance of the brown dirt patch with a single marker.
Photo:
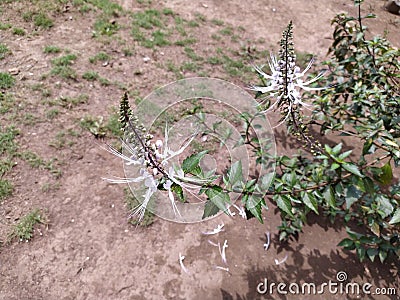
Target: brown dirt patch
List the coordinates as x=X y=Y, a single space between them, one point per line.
x=89 y=250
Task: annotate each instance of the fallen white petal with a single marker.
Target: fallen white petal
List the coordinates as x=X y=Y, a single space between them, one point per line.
x=222 y=268
x=222 y=252
x=212 y=243
x=241 y=210
x=181 y=258
x=277 y=262
x=216 y=230
x=266 y=245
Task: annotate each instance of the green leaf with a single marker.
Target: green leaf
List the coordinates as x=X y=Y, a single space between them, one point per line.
x=361 y=253
x=284 y=204
x=386 y=175
x=254 y=205
x=334 y=166
x=371 y=253
x=310 y=202
x=352 y=195
x=218 y=197
x=347 y=244
x=345 y=154
x=352 y=169
x=191 y=163
x=235 y=175
x=385 y=207
x=396 y=217
x=210 y=209
x=367 y=146
x=337 y=149
x=369 y=185
x=382 y=255
x=329 y=196
x=375 y=229
x=266 y=181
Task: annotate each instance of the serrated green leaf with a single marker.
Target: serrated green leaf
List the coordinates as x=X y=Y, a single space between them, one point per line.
x=328 y=149
x=367 y=146
x=352 y=169
x=396 y=217
x=190 y=164
x=385 y=207
x=266 y=181
x=334 y=166
x=310 y=202
x=369 y=185
x=284 y=204
x=352 y=195
x=235 y=174
x=218 y=197
x=210 y=209
x=345 y=154
x=254 y=205
x=386 y=175
x=337 y=149
x=329 y=196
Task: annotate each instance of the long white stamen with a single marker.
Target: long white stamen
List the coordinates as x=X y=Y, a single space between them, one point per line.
x=266 y=245
x=181 y=258
x=222 y=268
x=216 y=230
x=277 y=262
x=222 y=251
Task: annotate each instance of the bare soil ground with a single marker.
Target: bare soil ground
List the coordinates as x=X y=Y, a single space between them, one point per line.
x=88 y=249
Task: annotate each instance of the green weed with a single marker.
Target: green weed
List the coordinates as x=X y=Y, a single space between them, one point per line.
x=217 y=22
x=101 y=56
x=62 y=66
x=43 y=21
x=70 y=102
x=6 y=189
x=52 y=113
x=51 y=49
x=24 y=229
x=186 y=42
x=6 y=81
x=4 y=51
x=7 y=102
x=5 y=26
x=7 y=140
x=18 y=31
x=90 y=75
x=105 y=26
